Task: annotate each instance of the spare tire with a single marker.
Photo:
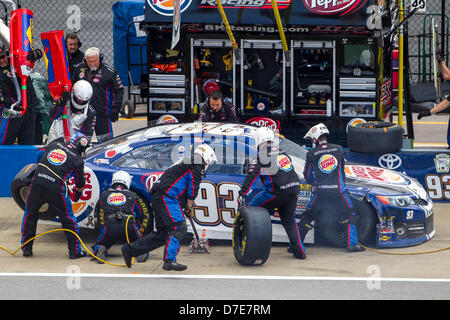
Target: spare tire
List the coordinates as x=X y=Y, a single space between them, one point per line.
x=375 y=137
x=252 y=236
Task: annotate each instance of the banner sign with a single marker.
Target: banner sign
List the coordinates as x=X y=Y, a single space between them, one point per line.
x=259 y=12
x=431 y=168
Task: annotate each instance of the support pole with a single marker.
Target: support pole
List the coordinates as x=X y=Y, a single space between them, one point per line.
x=227 y=26
x=400 y=65
x=280 y=29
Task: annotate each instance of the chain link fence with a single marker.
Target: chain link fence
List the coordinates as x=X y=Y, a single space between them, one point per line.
x=93 y=20
x=420 y=39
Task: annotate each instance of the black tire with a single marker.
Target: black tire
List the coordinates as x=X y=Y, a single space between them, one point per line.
x=375 y=137
x=20 y=186
x=252 y=236
x=147 y=220
x=128 y=109
x=331 y=230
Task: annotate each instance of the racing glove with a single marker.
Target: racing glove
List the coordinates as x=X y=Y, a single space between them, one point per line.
x=422 y=114
x=114 y=115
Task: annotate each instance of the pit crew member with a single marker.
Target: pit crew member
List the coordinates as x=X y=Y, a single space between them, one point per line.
x=181 y=179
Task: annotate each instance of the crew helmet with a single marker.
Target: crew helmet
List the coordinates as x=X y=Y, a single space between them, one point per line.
x=264 y=134
x=81 y=94
x=122 y=177
x=80 y=141
x=316 y=131
x=207 y=153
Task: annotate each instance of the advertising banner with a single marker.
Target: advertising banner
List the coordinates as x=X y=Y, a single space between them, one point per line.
x=259 y=12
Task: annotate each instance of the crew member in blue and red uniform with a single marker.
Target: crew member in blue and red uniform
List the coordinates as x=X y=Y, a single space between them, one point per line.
x=181 y=179
x=59 y=162
x=325 y=171
x=281 y=186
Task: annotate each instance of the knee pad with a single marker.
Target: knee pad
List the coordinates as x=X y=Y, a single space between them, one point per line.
x=178 y=230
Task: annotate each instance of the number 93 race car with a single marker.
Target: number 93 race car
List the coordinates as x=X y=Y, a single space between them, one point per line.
x=393 y=209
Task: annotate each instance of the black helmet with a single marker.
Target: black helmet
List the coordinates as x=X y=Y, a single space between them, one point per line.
x=80 y=141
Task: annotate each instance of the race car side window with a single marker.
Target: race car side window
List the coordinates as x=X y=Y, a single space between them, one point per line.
x=152 y=157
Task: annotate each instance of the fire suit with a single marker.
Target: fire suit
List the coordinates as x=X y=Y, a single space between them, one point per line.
x=82 y=121
x=60 y=162
x=106 y=98
x=324 y=170
x=226 y=114
x=281 y=190
x=22 y=128
x=181 y=180
x=112 y=210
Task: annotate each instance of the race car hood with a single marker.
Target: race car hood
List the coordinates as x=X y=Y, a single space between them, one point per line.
x=394 y=181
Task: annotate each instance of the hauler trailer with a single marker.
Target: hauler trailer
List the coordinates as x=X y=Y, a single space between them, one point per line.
x=329 y=73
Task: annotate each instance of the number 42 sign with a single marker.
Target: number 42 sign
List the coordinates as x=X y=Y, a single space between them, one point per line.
x=421 y=4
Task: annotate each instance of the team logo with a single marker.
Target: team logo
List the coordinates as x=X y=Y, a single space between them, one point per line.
x=442 y=163
x=165 y=7
x=390 y=161
x=327 y=163
x=57 y=157
x=284 y=163
x=116 y=199
x=328 y=7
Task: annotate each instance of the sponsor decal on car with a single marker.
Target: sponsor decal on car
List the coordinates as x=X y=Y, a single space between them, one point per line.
x=264 y=122
x=83 y=209
x=57 y=157
x=442 y=163
x=373 y=174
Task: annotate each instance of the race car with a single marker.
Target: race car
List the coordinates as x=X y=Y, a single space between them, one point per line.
x=393 y=209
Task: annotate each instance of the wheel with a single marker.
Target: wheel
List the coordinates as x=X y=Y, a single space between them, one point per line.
x=147 y=220
x=332 y=232
x=252 y=236
x=20 y=186
x=128 y=109
x=375 y=137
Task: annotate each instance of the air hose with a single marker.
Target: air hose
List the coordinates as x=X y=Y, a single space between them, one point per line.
x=81 y=241
x=404 y=253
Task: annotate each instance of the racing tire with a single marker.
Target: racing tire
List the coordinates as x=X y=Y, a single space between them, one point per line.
x=20 y=186
x=332 y=232
x=252 y=236
x=147 y=221
x=128 y=109
x=375 y=137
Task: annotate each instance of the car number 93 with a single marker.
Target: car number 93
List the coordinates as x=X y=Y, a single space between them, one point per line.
x=216 y=204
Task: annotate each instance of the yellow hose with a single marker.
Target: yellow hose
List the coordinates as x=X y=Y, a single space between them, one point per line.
x=404 y=253
x=227 y=25
x=81 y=241
x=280 y=26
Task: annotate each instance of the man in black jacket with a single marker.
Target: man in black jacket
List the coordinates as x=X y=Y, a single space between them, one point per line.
x=216 y=109
x=325 y=172
x=281 y=186
x=107 y=91
x=75 y=55
x=59 y=162
x=181 y=179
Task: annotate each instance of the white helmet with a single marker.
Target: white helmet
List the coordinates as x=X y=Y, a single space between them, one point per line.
x=264 y=134
x=316 y=131
x=122 y=177
x=81 y=94
x=207 y=153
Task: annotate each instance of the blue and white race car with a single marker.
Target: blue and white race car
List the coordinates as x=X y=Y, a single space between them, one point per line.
x=394 y=210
